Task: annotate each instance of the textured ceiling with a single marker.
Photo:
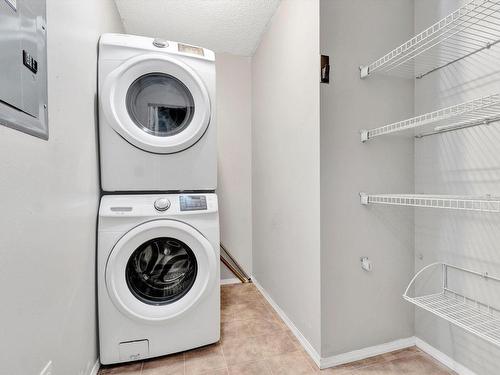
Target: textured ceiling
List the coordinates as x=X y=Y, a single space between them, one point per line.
x=230 y=26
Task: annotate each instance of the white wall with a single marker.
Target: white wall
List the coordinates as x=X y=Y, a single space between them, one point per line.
x=235 y=157
x=362 y=309
x=49 y=198
x=285 y=164
x=460 y=162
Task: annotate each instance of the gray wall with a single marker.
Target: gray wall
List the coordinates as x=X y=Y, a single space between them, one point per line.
x=461 y=162
x=285 y=164
x=49 y=197
x=226 y=274
x=234 y=123
x=361 y=309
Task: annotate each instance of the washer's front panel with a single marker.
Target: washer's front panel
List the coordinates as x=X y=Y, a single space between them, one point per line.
x=150 y=241
x=160 y=270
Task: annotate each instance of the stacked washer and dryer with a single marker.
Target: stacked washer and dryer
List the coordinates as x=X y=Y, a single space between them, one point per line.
x=158 y=231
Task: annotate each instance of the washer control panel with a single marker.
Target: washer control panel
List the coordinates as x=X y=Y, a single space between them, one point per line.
x=162 y=204
x=193 y=202
x=158 y=206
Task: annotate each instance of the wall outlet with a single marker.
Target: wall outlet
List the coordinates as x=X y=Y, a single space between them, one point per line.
x=366 y=264
x=47 y=370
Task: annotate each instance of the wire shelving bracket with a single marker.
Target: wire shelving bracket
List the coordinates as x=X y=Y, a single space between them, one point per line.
x=451 y=202
x=478 y=318
x=480 y=111
x=470 y=29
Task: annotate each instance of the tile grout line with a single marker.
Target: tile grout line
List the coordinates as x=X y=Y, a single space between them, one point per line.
x=285 y=331
x=307 y=360
x=272 y=317
x=269 y=367
x=224 y=356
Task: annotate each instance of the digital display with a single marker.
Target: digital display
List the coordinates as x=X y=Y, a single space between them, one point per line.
x=193 y=202
x=186 y=48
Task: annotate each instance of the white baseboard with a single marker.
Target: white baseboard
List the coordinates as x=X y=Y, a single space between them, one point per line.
x=340 y=359
x=372 y=351
x=443 y=358
x=234 y=280
x=300 y=337
x=96 y=367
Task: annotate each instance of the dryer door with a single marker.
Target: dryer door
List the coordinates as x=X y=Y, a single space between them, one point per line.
x=160 y=269
x=157 y=103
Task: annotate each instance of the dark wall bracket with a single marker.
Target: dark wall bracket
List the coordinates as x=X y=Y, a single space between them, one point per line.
x=325 y=69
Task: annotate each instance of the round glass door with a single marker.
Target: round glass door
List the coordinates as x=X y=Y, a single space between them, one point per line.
x=161 y=271
x=157 y=103
x=160 y=104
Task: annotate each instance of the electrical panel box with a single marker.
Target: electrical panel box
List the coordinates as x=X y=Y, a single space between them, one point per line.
x=23 y=66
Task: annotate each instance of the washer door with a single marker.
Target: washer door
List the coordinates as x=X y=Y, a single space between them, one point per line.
x=160 y=269
x=157 y=103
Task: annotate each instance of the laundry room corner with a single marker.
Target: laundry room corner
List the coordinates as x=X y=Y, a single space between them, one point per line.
x=235 y=158
x=249 y=187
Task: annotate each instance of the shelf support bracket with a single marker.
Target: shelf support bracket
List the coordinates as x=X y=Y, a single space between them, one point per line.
x=364 y=71
x=364 y=135
x=363 y=197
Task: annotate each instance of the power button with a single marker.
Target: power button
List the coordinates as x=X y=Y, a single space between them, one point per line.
x=162 y=204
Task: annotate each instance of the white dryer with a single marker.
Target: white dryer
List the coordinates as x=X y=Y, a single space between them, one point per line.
x=158 y=275
x=156 y=115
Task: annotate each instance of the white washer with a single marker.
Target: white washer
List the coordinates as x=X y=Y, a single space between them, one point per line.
x=156 y=115
x=158 y=275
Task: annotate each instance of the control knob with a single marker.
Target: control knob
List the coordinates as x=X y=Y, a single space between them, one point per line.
x=162 y=204
x=160 y=43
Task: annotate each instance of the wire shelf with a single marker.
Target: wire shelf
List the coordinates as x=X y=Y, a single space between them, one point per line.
x=478 y=318
x=470 y=29
x=466 y=203
x=481 y=111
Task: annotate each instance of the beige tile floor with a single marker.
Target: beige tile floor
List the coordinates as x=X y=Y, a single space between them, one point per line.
x=256 y=342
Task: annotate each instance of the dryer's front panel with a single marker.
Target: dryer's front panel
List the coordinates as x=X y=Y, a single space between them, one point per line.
x=156 y=103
